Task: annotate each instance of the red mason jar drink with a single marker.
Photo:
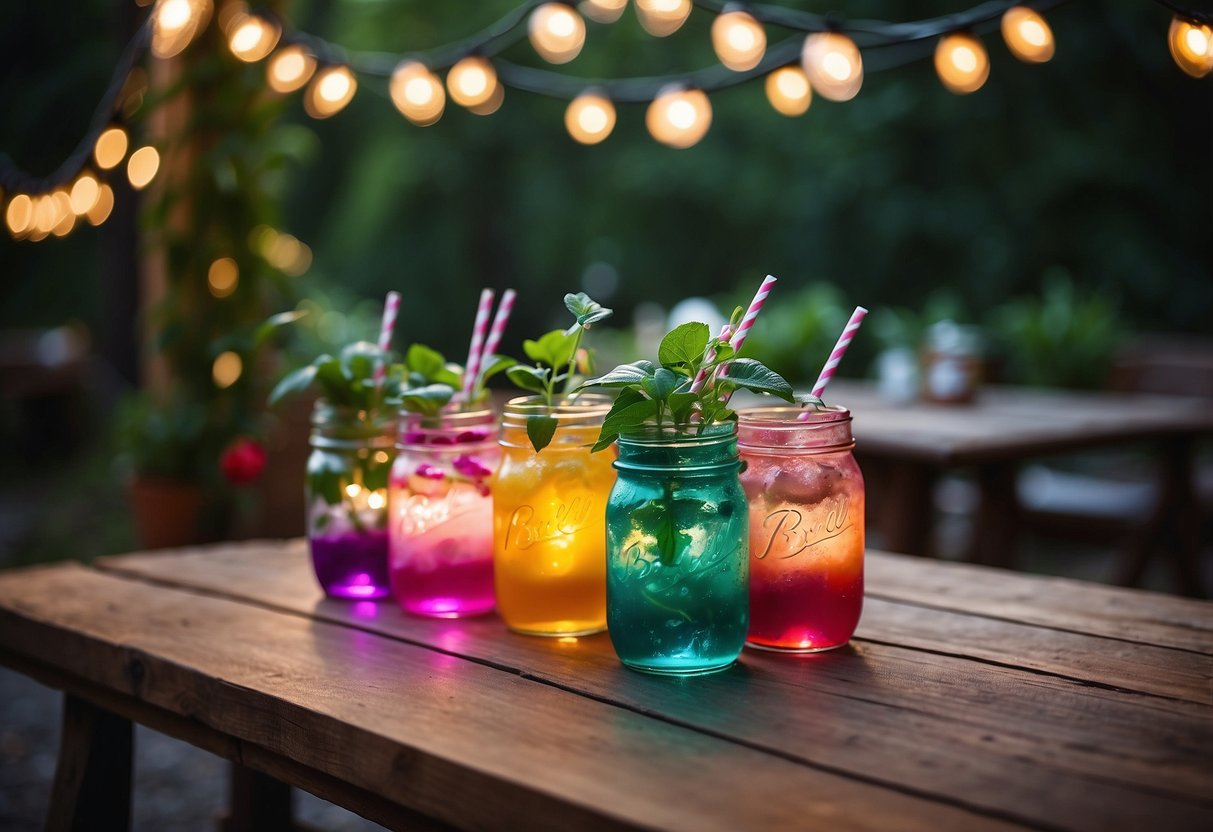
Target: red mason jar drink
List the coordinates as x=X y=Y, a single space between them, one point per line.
x=806 y=499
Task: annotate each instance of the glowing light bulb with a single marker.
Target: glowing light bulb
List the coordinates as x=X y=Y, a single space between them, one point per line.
x=472 y=81
x=662 y=17
x=557 y=32
x=1191 y=46
x=251 y=38
x=65 y=220
x=331 y=89
x=1027 y=34
x=833 y=65
x=353 y=490
x=84 y=193
x=142 y=166
x=739 y=40
x=417 y=93
x=590 y=118
x=679 y=117
x=222 y=277
x=376 y=500
x=175 y=24
x=289 y=69
x=962 y=63
x=491 y=106
x=20 y=215
x=100 y=211
x=226 y=369
x=603 y=11
x=110 y=148
x=789 y=91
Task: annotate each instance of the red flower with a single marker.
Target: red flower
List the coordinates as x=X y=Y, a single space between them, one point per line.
x=242 y=462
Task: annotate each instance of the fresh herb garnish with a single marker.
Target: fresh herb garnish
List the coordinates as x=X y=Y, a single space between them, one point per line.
x=556 y=355
x=664 y=394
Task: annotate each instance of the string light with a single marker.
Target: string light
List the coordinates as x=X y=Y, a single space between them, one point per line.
x=472 y=81
x=101 y=209
x=289 y=69
x=662 y=17
x=84 y=193
x=962 y=63
x=142 y=166
x=110 y=149
x=251 y=37
x=1027 y=34
x=739 y=39
x=679 y=117
x=491 y=106
x=1191 y=45
x=226 y=369
x=603 y=11
x=65 y=220
x=789 y=91
x=590 y=118
x=19 y=216
x=833 y=65
x=557 y=32
x=222 y=277
x=417 y=93
x=175 y=23
x=331 y=89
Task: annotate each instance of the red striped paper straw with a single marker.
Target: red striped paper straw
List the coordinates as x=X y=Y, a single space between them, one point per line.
x=747 y=320
x=497 y=330
x=840 y=349
x=479 y=328
x=701 y=377
x=391 y=305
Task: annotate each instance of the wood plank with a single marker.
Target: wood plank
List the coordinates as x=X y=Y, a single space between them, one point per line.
x=1058 y=603
x=1000 y=738
x=458 y=740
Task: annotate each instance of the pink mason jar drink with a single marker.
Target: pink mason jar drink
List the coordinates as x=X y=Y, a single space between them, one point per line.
x=806 y=499
x=440 y=542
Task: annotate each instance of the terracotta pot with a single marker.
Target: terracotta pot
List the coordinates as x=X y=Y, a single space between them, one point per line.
x=166 y=512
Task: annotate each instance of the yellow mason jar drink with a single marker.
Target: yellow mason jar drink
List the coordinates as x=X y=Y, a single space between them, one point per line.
x=549 y=519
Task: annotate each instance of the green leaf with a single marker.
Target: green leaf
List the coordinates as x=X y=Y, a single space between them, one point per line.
x=624 y=374
x=629 y=417
x=757 y=377
x=554 y=348
x=428 y=400
x=660 y=385
x=269 y=326
x=810 y=400
x=292 y=383
x=421 y=359
x=528 y=378
x=333 y=383
x=540 y=430
x=684 y=344
x=623 y=402
x=585 y=309
x=497 y=364
x=358 y=360
x=680 y=405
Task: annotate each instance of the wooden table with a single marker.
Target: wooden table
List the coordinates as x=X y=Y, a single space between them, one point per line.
x=1007 y=426
x=971 y=699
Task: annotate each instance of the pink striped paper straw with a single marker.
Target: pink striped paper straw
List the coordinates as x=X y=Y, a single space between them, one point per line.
x=479 y=328
x=391 y=305
x=701 y=377
x=497 y=330
x=840 y=349
x=747 y=320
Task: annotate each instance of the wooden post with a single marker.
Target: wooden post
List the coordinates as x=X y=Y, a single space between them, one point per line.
x=92 y=788
x=259 y=803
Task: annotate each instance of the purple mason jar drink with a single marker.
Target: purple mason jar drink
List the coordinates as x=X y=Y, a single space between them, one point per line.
x=346 y=493
x=441 y=536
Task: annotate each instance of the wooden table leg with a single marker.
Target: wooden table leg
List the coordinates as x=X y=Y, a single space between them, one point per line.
x=908 y=509
x=92 y=788
x=997 y=523
x=259 y=803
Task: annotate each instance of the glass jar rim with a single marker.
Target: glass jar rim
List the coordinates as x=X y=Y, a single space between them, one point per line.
x=787 y=417
x=779 y=429
x=584 y=410
x=650 y=436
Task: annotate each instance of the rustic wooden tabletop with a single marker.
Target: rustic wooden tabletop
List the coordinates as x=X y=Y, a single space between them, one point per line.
x=971 y=698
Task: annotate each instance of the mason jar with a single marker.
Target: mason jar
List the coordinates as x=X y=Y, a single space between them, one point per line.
x=806 y=527
x=346 y=495
x=441 y=536
x=549 y=509
x=678 y=552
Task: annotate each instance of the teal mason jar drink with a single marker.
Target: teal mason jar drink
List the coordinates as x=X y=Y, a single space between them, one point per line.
x=678 y=552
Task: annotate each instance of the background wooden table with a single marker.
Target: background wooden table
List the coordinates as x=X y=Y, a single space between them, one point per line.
x=912 y=444
x=970 y=699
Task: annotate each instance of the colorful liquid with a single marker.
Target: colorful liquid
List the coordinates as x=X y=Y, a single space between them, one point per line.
x=549 y=537
x=806 y=550
x=352 y=564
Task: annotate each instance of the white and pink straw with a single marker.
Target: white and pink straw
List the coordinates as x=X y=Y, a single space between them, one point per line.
x=701 y=377
x=495 y=332
x=747 y=320
x=391 y=306
x=479 y=329
x=840 y=349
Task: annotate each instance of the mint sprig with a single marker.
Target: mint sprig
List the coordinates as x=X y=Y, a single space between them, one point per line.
x=660 y=395
x=555 y=355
